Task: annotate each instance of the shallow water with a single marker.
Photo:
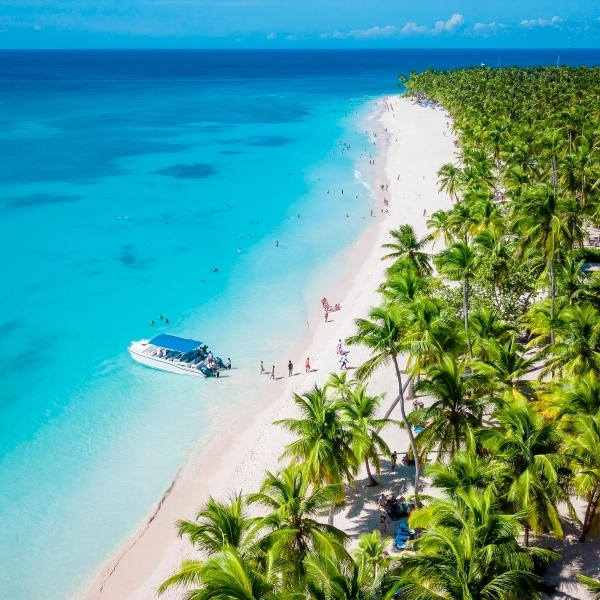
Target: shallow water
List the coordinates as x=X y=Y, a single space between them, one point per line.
x=125 y=178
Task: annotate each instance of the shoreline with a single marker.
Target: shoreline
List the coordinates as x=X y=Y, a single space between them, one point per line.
x=154 y=551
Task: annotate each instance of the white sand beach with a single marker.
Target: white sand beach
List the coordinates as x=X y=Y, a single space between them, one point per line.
x=412 y=143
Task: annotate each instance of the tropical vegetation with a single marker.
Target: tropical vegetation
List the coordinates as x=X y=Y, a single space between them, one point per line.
x=492 y=317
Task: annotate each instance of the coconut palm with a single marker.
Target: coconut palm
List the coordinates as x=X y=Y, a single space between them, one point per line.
x=218 y=524
x=408 y=248
x=403 y=284
x=534 y=470
x=576 y=348
x=371 y=553
x=384 y=334
x=291 y=526
x=450 y=180
x=468 y=550
x=361 y=410
x=457 y=407
x=458 y=264
x=324 y=445
x=227 y=575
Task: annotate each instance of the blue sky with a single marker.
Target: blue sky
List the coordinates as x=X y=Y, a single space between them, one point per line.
x=298 y=23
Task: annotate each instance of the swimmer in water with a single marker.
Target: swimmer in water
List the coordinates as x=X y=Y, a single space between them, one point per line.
x=166 y=320
x=161 y=317
x=152 y=322
x=277 y=243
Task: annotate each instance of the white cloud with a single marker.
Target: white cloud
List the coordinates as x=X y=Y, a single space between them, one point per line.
x=272 y=36
x=292 y=38
x=455 y=21
x=373 y=33
x=553 y=22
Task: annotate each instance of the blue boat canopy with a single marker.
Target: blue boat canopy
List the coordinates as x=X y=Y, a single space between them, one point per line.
x=172 y=342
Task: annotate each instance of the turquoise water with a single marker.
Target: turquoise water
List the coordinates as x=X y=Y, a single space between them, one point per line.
x=125 y=178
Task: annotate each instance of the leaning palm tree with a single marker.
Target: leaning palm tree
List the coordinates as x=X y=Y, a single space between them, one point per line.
x=451 y=180
x=361 y=412
x=458 y=263
x=536 y=477
x=468 y=551
x=408 y=247
x=324 y=444
x=291 y=526
x=384 y=334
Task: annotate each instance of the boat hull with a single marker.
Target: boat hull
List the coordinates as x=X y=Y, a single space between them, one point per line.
x=136 y=351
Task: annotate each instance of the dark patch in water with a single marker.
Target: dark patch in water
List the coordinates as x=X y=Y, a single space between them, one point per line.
x=231 y=152
x=268 y=140
x=129 y=258
x=40 y=199
x=194 y=171
x=10 y=327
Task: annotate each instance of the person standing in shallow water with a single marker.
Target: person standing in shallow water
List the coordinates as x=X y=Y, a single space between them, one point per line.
x=290 y=368
x=262 y=367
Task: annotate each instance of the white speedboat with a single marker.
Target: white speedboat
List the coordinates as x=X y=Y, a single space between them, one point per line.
x=177 y=355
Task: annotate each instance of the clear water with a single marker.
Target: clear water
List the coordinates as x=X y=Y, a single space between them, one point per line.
x=125 y=178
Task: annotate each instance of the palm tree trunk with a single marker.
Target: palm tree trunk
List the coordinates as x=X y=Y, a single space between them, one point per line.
x=526 y=536
x=397 y=399
x=466 y=312
x=552 y=301
x=331 y=514
x=411 y=437
x=590 y=512
x=372 y=480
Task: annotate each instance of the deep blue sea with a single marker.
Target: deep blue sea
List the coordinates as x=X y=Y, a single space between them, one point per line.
x=126 y=177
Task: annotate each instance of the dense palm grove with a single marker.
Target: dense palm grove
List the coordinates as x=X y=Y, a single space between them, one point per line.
x=494 y=318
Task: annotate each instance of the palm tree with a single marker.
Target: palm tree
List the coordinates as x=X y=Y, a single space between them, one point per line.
x=383 y=333
x=505 y=367
x=361 y=410
x=403 y=283
x=576 y=348
x=450 y=180
x=371 y=553
x=442 y=224
x=456 y=410
x=535 y=471
x=466 y=472
x=324 y=445
x=468 y=551
x=408 y=248
x=218 y=524
x=227 y=575
x=540 y=216
x=458 y=263
x=584 y=447
x=292 y=529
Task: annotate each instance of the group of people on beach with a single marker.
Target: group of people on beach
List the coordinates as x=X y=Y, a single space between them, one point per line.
x=328 y=308
x=290 y=368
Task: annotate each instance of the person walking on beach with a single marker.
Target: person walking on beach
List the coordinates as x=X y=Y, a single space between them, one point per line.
x=273 y=373
x=394 y=460
x=326 y=315
x=290 y=368
x=262 y=367
x=382 y=523
x=344 y=361
x=307 y=365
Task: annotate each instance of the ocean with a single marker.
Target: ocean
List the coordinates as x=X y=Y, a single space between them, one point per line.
x=126 y=178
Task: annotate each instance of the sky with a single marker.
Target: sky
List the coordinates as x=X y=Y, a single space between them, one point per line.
x=299 y=24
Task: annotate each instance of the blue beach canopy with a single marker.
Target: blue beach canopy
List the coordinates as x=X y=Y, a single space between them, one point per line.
x=172 y=342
